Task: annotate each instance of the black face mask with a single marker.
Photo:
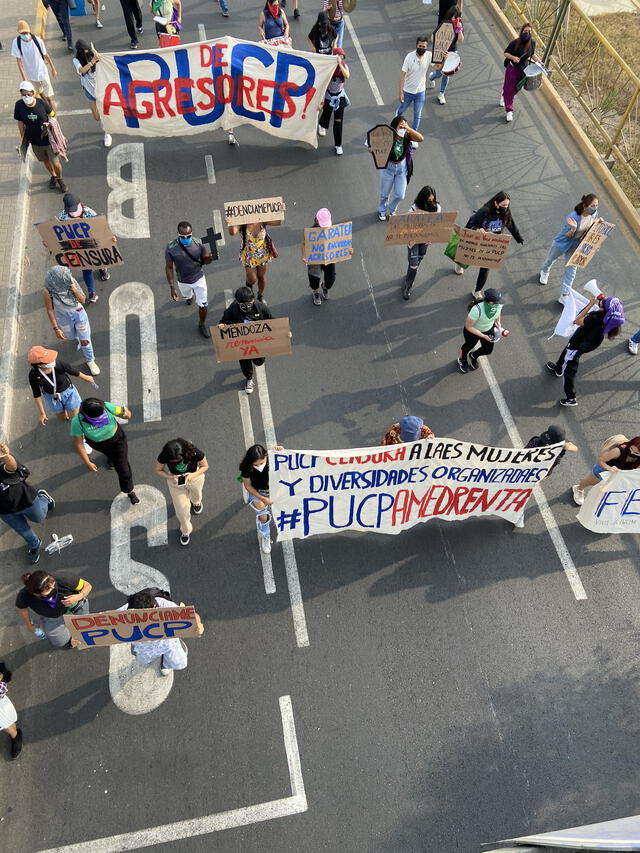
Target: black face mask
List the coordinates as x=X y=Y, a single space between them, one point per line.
x=526 y=36
x=246 y=307
x=421 y=51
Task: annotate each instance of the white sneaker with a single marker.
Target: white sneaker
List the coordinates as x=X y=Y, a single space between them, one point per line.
x=249 y=386
x=510 y=116
x=415 y=144
x=94 y=370
x=231 y=138
x=339 y=150
x=99 y=25
x=322 y=131
x=87 y=448
x=441 y=98
x=432 y=82
x=165 y=671
x=562 y=299
x=544 y=277
x=265 y=544
x=578 y=495
x=382 y=217
x=107 y=140
x=633 y=347
x=502 y=100
x=458 y=270
x=476 y=294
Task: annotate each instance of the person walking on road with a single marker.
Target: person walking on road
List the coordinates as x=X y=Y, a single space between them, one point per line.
x=322 y=37
x=96 y=12
x=32 y=115
x=335 y=102
x=517 y=55
x=454 y=18
x=172 y=652
x=617 y=453
x=171 y=11
x=413 y=77
x=257 y=251
x=444 y=6
x=187 y=254
x=605 y=320
x=85 y=62
x=9 y=715
x=50 y=597
x=552 y=435
x=395 y=177
x=20 y=503
x=49 y=379
x=272 y=22
x=75 y=209
x=633 y=342
x=244 y=309
x=493 y=217
x=32 y=58
x=60 y=9
x=64 y=304
x=96 y=425
x=335 y=12
x=577 y=222
x=133 y=20
x=322 y=277
x=254 y=472
x=425 y=201
x=186 y=466
x=409 y=428
x=483 y=327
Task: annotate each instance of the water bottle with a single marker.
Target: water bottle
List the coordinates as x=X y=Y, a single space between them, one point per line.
x=40 y=634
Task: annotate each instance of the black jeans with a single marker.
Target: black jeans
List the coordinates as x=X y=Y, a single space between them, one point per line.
x=570 y=372
x=415 y=254
x=329 y=277
x=132 y=17
x=116 y=450
x=246 y=365
x=325 y=118
x=482 y=279
x=471 y=340
x=60 y=9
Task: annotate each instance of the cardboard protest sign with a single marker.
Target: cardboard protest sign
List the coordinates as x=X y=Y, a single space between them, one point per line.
x=380 y=141
x=419 y=227
x=481 y=248
x=328 y=245
x=591 y=244
x=224 y=82
x=261 y=339
x=390 y=489
x=614 y=505
x=254 y=210
x=442 y=38
x=81 y=244
x=112 y=627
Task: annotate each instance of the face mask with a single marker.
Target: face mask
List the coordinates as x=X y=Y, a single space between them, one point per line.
x=591 y=209
x=526 y=36
x=186 y=241
x=503 y=207
x=260 y=467
x=50 y=365
x=25 y=36
x=401 y=132
x=29 y=99
x=421 y=51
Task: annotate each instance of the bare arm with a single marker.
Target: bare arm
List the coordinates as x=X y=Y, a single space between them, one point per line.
x=48 y=304
x=414 y=135
x=166 y=475
x=21 y=129
x=261 y=25
x=178 y=5
x=26 y=619
x=246 y=482
x=344 y=68
x=49 y=62
x=10 y=464
x=78 y=596
x=20 y=67
x=203 y=466
x=403 y=74
x=286 y=23
x=607 y=458
x=313 y=47
x=78 y=443
x=79 y=295
x=573 y=226
x=41 y=412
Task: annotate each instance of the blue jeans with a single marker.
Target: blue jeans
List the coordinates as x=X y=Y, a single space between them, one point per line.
x=60 y=9
x=443 y=83
x=636 y=338
x=18 y=520
x=418 y=103
x=338 y=26
x=553 y=254
x=87 y=275
x=224 y=6
x=75 y=324
x=393 y=182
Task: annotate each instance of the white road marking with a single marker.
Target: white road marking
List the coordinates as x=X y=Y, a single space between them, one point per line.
x=136 y=227
x=157 y=835
x=363 y=61
x=545 y=511
x=136 y=298
x=217 y=227
x=288 y=552
x=136 y=689
x=202 y=35
x=63 y=113
x=211 y=172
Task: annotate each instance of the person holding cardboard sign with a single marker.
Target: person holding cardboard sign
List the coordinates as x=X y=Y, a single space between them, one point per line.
x=321 y=272
x=427 y=202
x=244 y=309
x=172 y=652
x=397 y=173
x=455 y=19
x=258 y=250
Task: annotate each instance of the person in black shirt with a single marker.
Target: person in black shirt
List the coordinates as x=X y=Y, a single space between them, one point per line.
x=593 y=326
x=187 y=466
x=32 y=115
x=50 y=597
x=254 y=471
x=517 y=55
x=20 y=502
x=493 y=217
x=552 y=435
x=322 y=36
x=49 y=379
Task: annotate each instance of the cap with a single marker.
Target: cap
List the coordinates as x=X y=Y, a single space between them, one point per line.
x=323 y=217
x=28 y=85
x=243 y=294
x=554 y=434
x=410 y=428
x=492 y=295
x=41 y=355
x=72 y=204
x=23 y=27
x=338 y=51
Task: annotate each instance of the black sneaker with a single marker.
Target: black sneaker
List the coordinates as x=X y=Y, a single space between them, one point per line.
x=133 y=498
x=569 y=401
x=134 y=45
x=105 y=275
x=53 y=182
x=551 y=365
x=473 y=361
x=260 y=297
x=61 y=184
x=33 y=555
x=140 y=30
x=16 y=745
x=189 y=301
x=185 y=538
x=196 y=509
x=296 y=13
x=204 y=331
x=52 y=503
x=463 y=367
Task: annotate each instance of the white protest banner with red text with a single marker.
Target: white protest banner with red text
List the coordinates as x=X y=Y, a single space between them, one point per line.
x=224 y=82
x=390 y=489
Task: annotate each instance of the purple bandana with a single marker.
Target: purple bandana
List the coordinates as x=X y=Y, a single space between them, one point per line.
x=613 y=314
x=102 y=420
x=52 y=600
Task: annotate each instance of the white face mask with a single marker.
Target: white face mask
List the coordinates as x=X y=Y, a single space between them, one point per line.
x=401 y=131
x=50 y=365
x=29 y=99
x=260 y=467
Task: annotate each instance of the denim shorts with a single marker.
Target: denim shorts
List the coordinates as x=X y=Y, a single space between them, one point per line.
x=65 y=401
x=597 y=470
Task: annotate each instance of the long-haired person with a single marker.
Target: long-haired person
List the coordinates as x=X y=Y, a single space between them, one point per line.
x=254 y=472
x=624 y=456
x=517 y=55
x=427 y=202
x=183 y=466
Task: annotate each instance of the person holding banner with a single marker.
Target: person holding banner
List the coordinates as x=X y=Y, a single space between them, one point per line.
x=272 y=22
x=50 y=597
x=244 y=309
x=552 y=435
x=257 y=251
x=64 y=304
x=454 y=17
x=254 y=472
x=409 y=428
x=398 y=171
x=577 y=222
x=85 y=62
x=185 y=478
x=173 y=652
x=517 y=55
x=615 y=455
x=426 y=201
x=75 y=209
x=483 y=327
x=335 y=101
x=607 y=319
x=322 y=37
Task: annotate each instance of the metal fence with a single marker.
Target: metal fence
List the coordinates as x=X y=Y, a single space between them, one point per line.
x=598 y=86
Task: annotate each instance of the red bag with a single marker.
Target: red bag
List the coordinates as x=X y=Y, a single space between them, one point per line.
x=167 y=40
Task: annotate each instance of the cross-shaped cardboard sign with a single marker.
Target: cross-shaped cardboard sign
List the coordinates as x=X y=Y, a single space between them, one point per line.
x=212 y=238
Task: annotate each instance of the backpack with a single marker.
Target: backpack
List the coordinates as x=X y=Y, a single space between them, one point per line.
x=35 y=41
x=611 y=442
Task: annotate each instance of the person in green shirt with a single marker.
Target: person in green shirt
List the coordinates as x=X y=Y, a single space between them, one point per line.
x=483 y=327
x=96 y=423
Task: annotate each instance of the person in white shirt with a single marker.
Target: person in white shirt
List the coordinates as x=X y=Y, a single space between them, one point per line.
x=32 y=58
x=172 y=653
x=413 y=80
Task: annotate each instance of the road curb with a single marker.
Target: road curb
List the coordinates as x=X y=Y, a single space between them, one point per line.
x=586 y=147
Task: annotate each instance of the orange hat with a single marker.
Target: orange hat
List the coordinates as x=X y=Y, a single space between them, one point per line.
x=23 y=27
x=41 y=355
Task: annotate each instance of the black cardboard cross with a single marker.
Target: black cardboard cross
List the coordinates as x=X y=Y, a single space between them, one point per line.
x=212 y=238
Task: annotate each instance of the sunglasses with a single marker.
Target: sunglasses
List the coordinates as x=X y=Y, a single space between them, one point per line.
x=245 y=304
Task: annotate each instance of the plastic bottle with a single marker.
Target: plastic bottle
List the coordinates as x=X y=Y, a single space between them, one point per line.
x=40 y=634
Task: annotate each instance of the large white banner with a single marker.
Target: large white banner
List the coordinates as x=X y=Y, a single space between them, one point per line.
x=389 y=489
x=613 y=506
x=175 y=91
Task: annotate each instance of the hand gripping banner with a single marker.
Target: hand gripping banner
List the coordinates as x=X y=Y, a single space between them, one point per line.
x=224 y=82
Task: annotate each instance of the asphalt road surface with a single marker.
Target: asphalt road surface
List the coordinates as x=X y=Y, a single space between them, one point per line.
x=429 y=691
